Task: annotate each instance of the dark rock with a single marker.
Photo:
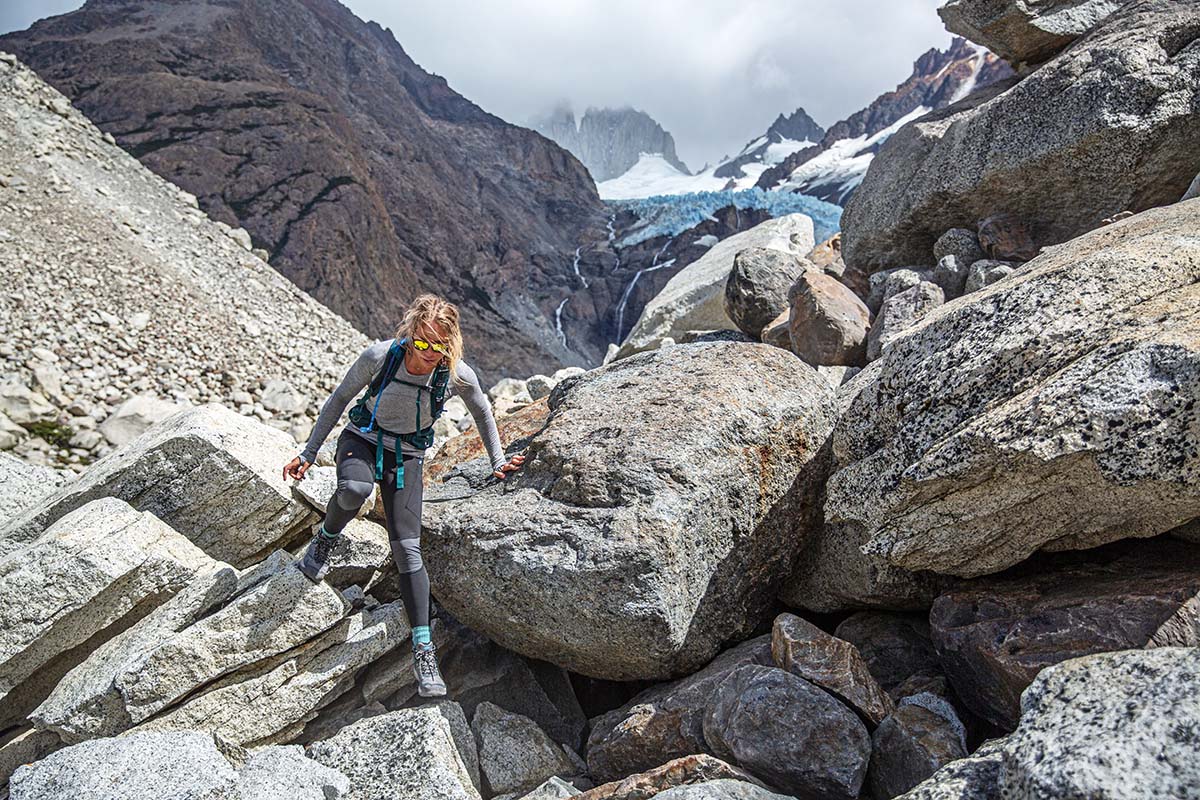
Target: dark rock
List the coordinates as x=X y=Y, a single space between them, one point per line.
x=1005 y=237
x=961 y=243
x=986 y=272
x=1023 y=32
x=683 y=771
x=789 y=733
x=835 y=665
x=909 y=746
x=666 y=721
x=895 y=646
x=757 y=288
x=828 y=323
x=995 y=637
x=951 y=274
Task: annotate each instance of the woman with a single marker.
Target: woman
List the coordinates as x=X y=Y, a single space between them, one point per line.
x=406 y=383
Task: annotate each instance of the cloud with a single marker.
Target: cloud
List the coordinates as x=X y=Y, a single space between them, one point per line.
x=713 y=73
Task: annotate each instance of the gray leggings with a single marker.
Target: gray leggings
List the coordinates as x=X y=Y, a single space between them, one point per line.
x=355 y=479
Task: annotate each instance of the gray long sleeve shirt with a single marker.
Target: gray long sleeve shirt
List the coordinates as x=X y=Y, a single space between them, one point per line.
x=398 y=404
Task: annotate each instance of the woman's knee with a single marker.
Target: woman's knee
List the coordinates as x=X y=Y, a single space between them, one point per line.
x=407 y=553
x=351 y=494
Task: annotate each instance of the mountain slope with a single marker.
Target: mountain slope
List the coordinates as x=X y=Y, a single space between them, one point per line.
x=835 y=167
x=365 y=178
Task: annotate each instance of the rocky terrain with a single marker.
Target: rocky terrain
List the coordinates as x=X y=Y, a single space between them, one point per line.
x=363 y=178
x=826 y=529
x=609 y=140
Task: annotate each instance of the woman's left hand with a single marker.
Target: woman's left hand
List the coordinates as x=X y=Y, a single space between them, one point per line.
x=513 y=464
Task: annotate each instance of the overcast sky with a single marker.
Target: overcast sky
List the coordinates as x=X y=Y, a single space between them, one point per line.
x=715 y=73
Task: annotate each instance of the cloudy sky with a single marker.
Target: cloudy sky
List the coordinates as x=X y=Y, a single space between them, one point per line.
x=714 y=73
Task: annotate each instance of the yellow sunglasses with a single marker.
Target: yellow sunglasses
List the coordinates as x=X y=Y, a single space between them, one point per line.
x=421 y=344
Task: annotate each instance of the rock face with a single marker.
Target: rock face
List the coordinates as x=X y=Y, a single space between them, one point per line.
x=757 y=289
x=1021 y=31
x=665 y=722
x=789 y=733
x=694 y=299
x=556 y=562
x=209 y=473
x=967 y=446
x=515 y=755
x=337 y=157
x=609 y=140
x=827 y=323
x=993 y=639
x=102 y=565
x=407 y=755
x=1116 y=128
x=1119 y=725
x=833 y=169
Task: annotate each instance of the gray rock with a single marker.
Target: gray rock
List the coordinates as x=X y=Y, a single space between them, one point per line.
x=279 y=396
x=1115 y=725
x=986 y=272
x=1106 y=126
x=22 y=484
x=803 y=649
x=22 y=405
x=182 y=765
x=900 y=312
x=980 y=436
x=209 y=473
x=285 y=773
x=757 y=287
x=886 y=284
x=1025 y=31
x=361 y=553
x=133 y=417
x=694 y=298
x=24 y=746
x=100 y=565
x=567 y=572
x=407 y=755
x=698 y=768
x=962 y=243
x=789 y=733
x=828 y=323
x=719 y=789
x=908 y=747
x=464 y=737
x=11 y=434
x=186 y=645
x=1193 y=191
x=553 y=788
x=515 y=755
x=951 y=273
x=665 y=722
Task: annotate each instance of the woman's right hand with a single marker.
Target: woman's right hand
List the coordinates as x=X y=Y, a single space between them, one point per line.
x=296 y=468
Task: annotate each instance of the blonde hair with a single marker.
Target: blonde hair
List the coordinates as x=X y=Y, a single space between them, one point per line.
x=432 y=312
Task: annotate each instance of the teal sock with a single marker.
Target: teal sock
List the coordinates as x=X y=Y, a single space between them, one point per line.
x=326 y=533
x=421 y=635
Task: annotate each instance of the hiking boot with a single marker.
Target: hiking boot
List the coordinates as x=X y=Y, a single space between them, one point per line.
x=315 y=563
x=425 y=669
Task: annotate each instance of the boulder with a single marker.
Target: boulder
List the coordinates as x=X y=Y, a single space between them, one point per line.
x=778 y=332
x=757 y=287
x=1114 y=725
x=362 y=552
x=279 y=396
x=513 y=428
x=899 y=313
x=886 y=284
x=1050 y=411
x=134 y=416
x=1106 y=126
x=204 y=634
x=951 y=275
x=676 y=772
x=1193 y=191
x=180 y=764
x=208 y=472
x=24 y=746
x=828 y=323
x=789 y=733
x=694 y=298
x=894 y=646
x=464 y=737
x=319 y=485
x=553 y=788
x=665 y=722
x=911 y=745
x=986 y=272
x=1008 y=237
x=1025 y=31
x=285 y=773
x=95 y=571
x=22 y=405
x=803 y=649
x=962 y=243
x=515 y=755
x=22 y=484
x=555 y=561
x=406 y=755
x=996 y=636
